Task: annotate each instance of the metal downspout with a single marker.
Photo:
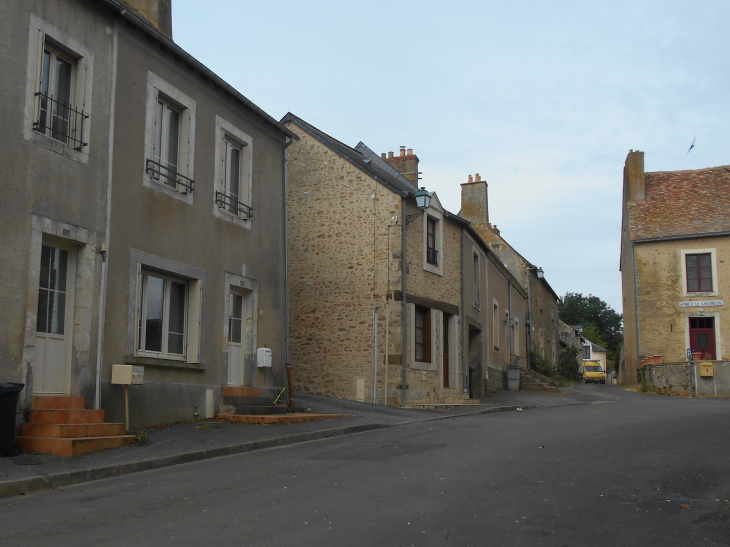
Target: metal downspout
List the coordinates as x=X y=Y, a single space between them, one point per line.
x=104 y=254
x=464 y=370
x=404 y=288
x=511 y=321
x=529 y=320
x=286 y=245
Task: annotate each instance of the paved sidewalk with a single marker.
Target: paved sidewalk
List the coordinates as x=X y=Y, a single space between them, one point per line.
x=186 y=442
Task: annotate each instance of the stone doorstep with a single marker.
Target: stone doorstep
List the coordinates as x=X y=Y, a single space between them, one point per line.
x=278 y=419
x=51 y=402
x=73 y=430
x=73 y=446
x=443 y=406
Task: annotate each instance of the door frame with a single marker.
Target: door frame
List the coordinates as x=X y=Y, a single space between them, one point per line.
x=718 y=331
x=235 y=283
x=72 y=249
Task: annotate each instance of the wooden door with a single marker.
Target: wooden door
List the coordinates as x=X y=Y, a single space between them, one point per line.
x=54 y=323
x=702 y=337
x=445 y=349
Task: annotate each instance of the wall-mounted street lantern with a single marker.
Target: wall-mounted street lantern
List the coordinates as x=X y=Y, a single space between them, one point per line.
x=423 y=201
x=540 y=273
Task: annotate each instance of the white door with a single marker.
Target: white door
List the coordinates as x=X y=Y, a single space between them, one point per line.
x=55 y=320
x=236 y=340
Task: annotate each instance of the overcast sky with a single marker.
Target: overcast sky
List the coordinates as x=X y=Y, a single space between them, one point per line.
x=543 y=99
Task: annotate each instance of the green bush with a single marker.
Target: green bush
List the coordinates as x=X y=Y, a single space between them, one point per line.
x=568 y=364
x=541 y=364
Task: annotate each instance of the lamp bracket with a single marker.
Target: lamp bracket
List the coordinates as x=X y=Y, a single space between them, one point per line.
x=411 y=218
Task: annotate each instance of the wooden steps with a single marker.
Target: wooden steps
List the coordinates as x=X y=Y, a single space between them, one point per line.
x=61 y=425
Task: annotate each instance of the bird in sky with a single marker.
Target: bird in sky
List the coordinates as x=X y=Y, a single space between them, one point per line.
x=693 y=145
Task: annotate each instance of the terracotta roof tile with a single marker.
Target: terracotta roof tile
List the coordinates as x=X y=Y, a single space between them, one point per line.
x=682 y=203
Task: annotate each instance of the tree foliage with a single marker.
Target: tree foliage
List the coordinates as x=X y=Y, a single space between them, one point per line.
x=568 y=364
x=590 y=311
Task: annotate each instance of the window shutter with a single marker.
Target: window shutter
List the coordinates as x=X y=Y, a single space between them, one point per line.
x=155 y=152
x=195 y=308
x=427 y=336
x=137 y=308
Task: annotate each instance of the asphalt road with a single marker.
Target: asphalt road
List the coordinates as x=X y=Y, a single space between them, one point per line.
x=633 y=470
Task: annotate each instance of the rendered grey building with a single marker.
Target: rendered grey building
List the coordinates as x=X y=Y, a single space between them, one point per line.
x=163 y=208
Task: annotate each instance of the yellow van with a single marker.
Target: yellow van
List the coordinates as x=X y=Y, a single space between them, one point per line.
x=592 y=372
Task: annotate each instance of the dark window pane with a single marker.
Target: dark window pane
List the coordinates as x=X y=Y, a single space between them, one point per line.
x=234 y=330
x=63 y=96
x=158 y=133
x=692 y=323
x=172 y=138
x=693 y=285
x=703 y=341
x=57 y=275
x=42 y=311
x=175 y=343
x=153 y=318
x=177 y=308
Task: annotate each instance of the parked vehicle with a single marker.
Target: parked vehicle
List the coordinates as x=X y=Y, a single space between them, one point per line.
x=592 y=372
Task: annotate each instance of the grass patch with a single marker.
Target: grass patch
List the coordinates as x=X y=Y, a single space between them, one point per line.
x=565 y=382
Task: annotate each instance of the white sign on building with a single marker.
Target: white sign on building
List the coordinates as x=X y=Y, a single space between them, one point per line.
x=701 y=303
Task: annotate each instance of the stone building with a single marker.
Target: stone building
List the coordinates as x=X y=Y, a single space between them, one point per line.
x=675 y=261
x=143 y=216
x=543 y=333
x=570 y=337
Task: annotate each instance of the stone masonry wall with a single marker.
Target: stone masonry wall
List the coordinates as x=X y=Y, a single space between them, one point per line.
x=662 y=324
x=669 y=377
x=340 y=266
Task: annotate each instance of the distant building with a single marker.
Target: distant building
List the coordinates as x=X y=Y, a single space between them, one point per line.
x=675 y=264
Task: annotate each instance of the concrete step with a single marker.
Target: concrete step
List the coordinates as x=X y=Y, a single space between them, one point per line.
x=73 y=446
x=73 y=430
x=231 y=391
x=53 y=402
x=274 y=420
x=254 y=410
x=71 y=416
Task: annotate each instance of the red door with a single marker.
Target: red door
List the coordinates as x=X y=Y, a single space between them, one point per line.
x=702 y=337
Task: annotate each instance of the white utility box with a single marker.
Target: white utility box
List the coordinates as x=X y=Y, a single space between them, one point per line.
x=263 y=358
x=127 y=375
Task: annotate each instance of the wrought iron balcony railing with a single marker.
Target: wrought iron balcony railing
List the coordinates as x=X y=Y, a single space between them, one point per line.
x=173 y=178
x=233 y=206
x=432 y=256
x=60 y=121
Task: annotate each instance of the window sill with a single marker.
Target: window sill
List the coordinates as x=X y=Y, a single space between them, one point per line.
x=422 y=365
x=696 y=294
x=162 y=188
x=166 y=363
x=49 y=143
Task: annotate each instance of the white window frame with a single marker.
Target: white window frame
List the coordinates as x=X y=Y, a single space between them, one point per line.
x=158 y=89
x=225 y=131
x=43 y=34
x=142 y=304
x=194 y=325
x=683 y=266
x=437 y=269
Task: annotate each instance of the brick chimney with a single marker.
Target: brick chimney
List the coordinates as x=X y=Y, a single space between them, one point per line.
x=474 y=200
x=634 y=175
x=157 y=12
x=406 y=163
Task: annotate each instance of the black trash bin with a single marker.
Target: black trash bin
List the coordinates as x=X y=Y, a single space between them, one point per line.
x=8 y=404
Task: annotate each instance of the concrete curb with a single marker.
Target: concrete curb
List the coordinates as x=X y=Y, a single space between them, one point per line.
x=57 y=480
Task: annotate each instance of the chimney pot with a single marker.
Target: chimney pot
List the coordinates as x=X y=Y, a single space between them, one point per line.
x=409 y=152
x=390 y=154
x=470 y=179
x=477 y=177
x=382 y=155
x=402 y=151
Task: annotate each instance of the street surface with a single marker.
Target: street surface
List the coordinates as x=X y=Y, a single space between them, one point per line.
x=631 y=469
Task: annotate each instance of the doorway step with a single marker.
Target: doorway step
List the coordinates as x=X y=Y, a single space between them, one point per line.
x=246 y=405
x=63 y=426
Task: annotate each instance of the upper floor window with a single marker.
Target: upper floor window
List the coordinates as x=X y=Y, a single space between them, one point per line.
x=58 y=91
x=586 y=352
x=495 y=325
x=233 y=190
x=476 y=280
x=431 y=251
x=699 y=272
x=169 y=140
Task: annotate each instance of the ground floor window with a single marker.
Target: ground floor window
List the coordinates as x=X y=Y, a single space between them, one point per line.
x=423 y=335
x=163 y=315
